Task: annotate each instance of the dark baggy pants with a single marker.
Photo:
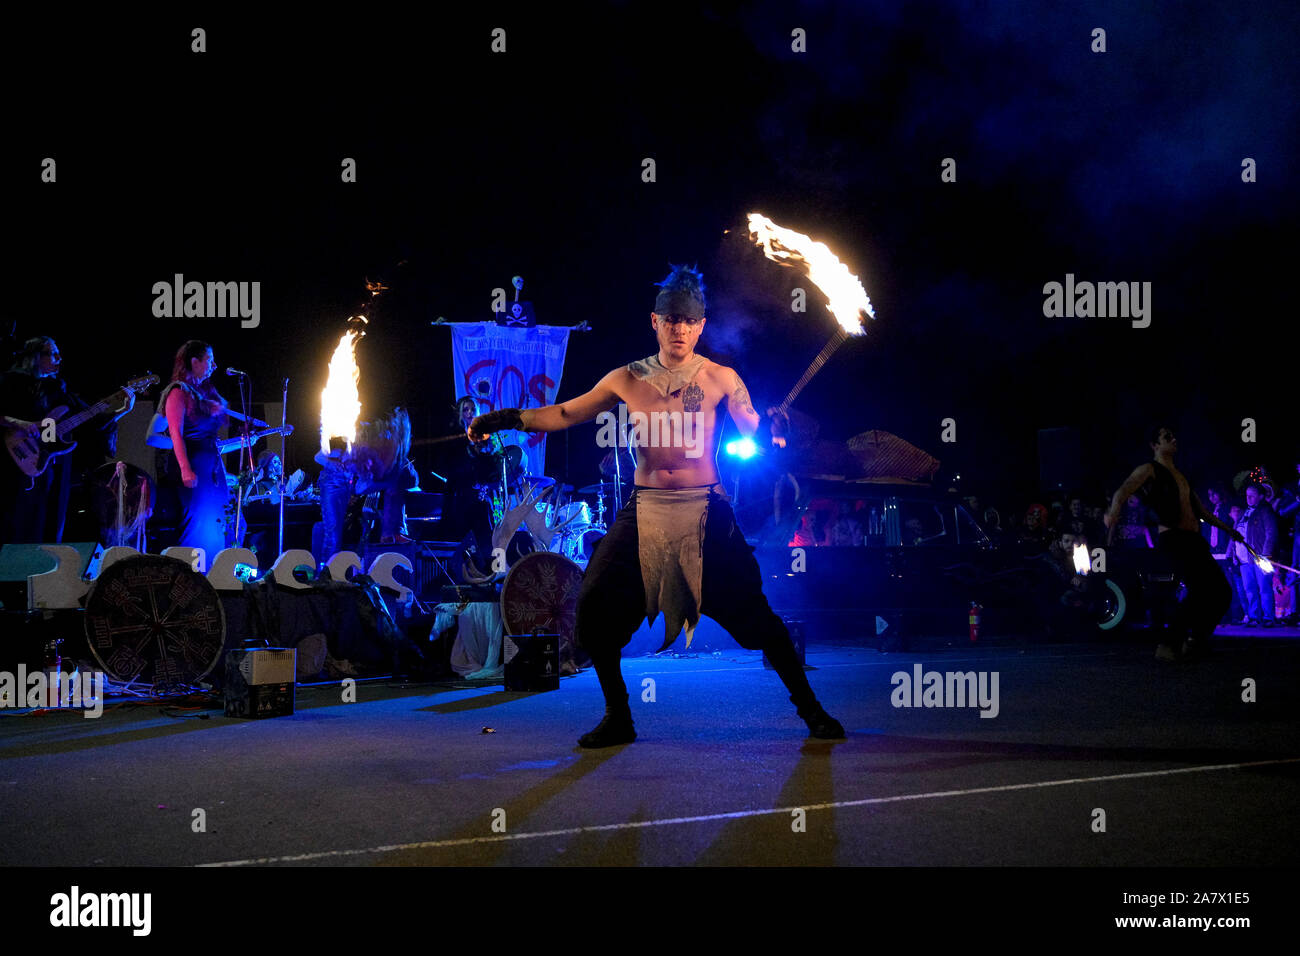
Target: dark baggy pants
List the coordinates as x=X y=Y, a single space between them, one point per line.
x=611 y=604
x=1187 y=554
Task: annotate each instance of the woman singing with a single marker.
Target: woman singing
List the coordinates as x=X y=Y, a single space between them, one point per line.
x=195 y=414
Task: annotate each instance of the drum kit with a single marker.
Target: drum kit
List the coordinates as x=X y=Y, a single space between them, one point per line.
x=560 y=522
x=547 y=557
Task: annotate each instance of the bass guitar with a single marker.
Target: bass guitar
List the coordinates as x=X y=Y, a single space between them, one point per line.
x=33 y=453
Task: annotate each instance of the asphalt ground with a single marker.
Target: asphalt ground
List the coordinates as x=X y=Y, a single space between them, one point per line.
x=1186 y=772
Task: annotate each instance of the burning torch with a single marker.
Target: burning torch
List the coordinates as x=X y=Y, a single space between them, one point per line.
x=1265 y=565
x=847 y=299
x=340 y=401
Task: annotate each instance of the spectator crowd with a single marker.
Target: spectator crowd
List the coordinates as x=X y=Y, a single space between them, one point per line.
x=1264 y=511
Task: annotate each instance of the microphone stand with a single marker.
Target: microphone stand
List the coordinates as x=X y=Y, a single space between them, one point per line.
x=618 y=477
x=245 y=451
x=505 y=476
x=284 y=461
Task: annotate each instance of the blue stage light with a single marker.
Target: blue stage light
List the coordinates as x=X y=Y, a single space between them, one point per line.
x=743 y=448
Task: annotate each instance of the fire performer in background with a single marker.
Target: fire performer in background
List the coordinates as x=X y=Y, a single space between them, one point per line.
x=379 y=461
x=1177 y=509
x=675 y=546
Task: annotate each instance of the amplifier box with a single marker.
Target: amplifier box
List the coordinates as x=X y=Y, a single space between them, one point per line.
x=260 y=681
x=532 y=662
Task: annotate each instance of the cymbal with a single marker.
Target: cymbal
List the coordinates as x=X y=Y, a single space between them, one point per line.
x=600 y=488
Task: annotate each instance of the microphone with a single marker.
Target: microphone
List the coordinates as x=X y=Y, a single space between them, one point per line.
x=235 y=371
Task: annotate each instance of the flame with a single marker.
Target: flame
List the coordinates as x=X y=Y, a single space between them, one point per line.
x=340 y=402
x=1082 y=564
x=1265 y=565
x=848 y=300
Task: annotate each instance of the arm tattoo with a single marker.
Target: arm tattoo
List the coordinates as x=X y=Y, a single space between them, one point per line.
x=740 y=397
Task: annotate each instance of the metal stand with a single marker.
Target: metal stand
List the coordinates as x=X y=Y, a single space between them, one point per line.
x=284 y=460
x=245 y=452
x=618 y=475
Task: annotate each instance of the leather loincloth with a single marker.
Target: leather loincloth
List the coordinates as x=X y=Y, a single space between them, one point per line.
x=670 y=534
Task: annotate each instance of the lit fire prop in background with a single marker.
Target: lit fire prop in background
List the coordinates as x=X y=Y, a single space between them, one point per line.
x=340 y=401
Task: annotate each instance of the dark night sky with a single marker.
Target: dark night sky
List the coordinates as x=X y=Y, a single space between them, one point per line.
x=474 y=166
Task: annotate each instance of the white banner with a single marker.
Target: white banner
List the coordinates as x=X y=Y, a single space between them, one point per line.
x=503 y=367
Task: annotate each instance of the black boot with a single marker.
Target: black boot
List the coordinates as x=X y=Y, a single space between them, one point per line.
x=820 y=724
x=615 y=728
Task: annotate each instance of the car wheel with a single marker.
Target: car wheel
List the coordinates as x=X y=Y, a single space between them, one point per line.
x=1113 y=607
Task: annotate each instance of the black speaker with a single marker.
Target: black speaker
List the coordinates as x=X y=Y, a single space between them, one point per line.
x=24 y=636
x=532 y=662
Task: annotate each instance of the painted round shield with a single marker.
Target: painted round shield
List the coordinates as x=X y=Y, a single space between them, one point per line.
x=540 y=593
x=155 y=620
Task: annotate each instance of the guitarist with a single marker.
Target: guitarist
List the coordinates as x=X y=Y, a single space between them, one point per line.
x=29 y=391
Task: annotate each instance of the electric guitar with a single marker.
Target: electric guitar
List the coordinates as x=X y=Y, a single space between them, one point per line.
x=33 y=453
x=226 y=445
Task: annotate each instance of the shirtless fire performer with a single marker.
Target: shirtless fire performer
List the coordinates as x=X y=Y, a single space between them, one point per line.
x=1179 y=511
x=675 y=547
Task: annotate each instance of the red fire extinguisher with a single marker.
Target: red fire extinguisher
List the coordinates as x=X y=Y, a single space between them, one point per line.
x=975 y=610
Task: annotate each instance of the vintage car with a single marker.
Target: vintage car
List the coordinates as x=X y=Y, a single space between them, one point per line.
x=896 y=560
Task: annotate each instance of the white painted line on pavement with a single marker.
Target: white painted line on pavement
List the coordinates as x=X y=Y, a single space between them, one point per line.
x=739 y=814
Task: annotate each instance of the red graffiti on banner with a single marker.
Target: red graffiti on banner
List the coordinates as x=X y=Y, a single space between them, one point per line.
x=538 y=388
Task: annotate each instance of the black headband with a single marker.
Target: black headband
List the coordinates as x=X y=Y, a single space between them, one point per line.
x=679 y=301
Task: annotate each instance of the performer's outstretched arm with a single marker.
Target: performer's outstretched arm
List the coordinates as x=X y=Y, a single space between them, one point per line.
x=1141 y=474
x=741 y=408
x=1205 y=514
x=551 y=418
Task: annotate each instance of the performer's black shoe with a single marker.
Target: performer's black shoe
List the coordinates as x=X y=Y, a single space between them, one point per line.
x=820 y=724
x=615 y=728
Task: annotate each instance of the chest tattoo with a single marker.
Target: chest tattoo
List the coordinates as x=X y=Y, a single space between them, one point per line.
x=692 y=397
